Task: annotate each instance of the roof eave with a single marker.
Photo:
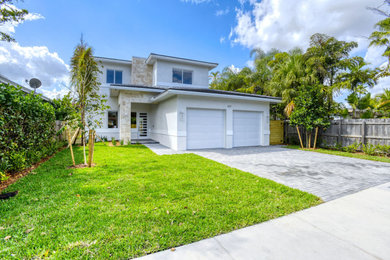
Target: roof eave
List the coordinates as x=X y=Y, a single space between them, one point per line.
x=153 y=57
x=169 y=93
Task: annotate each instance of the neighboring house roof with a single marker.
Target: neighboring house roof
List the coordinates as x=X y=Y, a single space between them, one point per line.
x=154 y=56
x=6 y=80
x=168 y=92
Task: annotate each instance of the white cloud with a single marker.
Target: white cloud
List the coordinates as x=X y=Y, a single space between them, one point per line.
x=222 y=12
x=222 y=40
x=196 y=1
x=19 y=63
x=234 y=69
x=285 y=24
x=250 y=64
x=9 y=27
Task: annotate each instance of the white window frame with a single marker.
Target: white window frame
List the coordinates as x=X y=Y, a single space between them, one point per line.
x=182 y=76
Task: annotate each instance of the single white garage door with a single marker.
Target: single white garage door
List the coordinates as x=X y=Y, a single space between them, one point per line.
x=205 y=128
x=246 y=128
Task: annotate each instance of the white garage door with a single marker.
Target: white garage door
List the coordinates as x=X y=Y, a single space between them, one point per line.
x=205 y=128
x=246 y=128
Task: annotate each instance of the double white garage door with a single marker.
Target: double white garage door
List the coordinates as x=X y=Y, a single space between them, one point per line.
x=206 y=128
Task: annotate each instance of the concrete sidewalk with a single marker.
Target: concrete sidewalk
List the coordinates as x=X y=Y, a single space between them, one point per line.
x=356 y=226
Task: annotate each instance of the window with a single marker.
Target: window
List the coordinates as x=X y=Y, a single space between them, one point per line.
x=181 y=76
x=112 y=119
x=114 y=76
x=133 y=120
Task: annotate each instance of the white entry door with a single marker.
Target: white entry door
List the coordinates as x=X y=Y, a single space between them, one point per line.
x=205 y=128
x=246 y=128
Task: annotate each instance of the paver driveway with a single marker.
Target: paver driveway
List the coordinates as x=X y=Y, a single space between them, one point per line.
x=327 y=176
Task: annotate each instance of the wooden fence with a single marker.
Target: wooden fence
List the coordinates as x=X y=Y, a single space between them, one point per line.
x=348 y=131
x=277 y=132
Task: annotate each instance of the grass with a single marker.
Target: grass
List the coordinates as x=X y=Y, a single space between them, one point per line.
x=342 y=153
x=134 y=203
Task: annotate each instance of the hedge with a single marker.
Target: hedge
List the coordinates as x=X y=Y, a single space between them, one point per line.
x=27 y=129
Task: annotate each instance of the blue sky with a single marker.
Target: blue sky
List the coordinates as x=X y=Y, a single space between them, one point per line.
x=210 y=30
x=122 y=29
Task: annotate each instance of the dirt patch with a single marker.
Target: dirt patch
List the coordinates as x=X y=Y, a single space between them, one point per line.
x=117 y=144
x=16 y=176
x=81 y=165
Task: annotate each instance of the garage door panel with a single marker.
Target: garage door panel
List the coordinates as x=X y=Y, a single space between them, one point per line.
x=246 y=128
x=205 y=128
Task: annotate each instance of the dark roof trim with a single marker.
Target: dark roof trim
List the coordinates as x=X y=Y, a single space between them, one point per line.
x=113 y=59
x=224 y=92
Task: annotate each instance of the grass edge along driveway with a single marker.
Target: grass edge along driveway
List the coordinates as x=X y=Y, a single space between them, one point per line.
x=342 y=153
x=133 y=203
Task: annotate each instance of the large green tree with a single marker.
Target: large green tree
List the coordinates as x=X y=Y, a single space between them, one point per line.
x=327 y=57
x=10 y=14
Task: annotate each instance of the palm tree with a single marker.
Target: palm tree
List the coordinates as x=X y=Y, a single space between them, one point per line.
x=381 y=38
x=84 y=80
x=384 y=100
x=356 y=79
x=289 y=73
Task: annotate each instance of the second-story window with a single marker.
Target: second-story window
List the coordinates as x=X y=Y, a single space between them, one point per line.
x=181 y=76
x=114 y=76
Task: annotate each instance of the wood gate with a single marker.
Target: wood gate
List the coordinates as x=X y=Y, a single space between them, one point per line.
x=277 y=132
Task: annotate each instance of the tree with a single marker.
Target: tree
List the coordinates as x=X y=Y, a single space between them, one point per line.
x=356 y=79
x=289 y=74
x=381 y=38
x=10 y=14
x=327 y=57
x=84 y=80
x=310 y=112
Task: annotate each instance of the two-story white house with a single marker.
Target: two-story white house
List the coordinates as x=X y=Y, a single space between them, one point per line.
x=167 y=99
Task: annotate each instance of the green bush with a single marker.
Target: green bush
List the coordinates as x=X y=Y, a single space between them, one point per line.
x=27 y=129
x=353 y=148
x=383 y=149
x=369 y=149
x=113 y=141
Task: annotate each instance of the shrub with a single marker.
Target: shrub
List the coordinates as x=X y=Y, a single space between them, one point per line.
x=383 y=149
x=27 y=129
x=369 y=149
x=3 y=177
x=353 y=148
x=113 y=141
x=122 y=142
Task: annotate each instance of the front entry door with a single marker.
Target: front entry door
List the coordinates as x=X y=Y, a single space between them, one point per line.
x=143 y=126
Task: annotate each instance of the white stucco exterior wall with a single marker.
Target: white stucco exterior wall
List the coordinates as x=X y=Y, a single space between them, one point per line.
x=163 y=74
x=164 y=123
x=125 y=68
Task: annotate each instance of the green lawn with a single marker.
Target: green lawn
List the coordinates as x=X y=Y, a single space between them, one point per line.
x=134 y=203
x=341 y=153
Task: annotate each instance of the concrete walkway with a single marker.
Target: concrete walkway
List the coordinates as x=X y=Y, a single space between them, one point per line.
x=356 y=226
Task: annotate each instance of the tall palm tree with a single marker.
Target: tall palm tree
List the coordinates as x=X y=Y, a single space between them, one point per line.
x=84 y=80
x=289 y=73
x=381 y=38
x=356 y=79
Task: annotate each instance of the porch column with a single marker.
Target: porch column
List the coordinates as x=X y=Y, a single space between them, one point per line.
x=125 y=117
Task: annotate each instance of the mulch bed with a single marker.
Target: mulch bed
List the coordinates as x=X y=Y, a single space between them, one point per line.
x=16 y=176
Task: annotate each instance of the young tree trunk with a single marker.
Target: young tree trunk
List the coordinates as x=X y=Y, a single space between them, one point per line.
x=71 y=148
x=309 y=145
x=300 y=138
x=90 y=148
x=315 y=138
x=83 y=139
